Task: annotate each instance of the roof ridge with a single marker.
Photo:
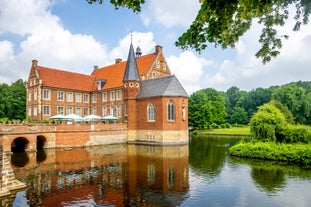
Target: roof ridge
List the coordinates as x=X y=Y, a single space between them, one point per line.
x=65 y=71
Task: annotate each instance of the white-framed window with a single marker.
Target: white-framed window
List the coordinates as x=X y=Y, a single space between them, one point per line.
x=154 y=75
x=85 y=98
x=69 y=110
x=112 y=111
x=46 y=110
x=60 y=95
x=78 y=111
x=94 y=98
x=29 y=96
x=94 y=110
x=112 y=94
x=78 y=97
x=85 y=111
x=35 y=94
x=46 y=94
x=60 y=110
x=104 y=96
x=119 y=94
x=118 y=107
x=35 y=110
x=171 y=111
x=29 y=110
x=104 y=110
x=69 y=96
x=151 y=112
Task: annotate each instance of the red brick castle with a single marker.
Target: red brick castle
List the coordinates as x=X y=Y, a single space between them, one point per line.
x=141 y=92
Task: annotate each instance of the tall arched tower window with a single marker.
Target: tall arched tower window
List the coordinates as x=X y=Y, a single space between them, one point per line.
x=151 y=112
x=171 y=111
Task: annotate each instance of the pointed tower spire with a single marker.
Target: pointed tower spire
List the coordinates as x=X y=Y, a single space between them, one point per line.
x=131 y=70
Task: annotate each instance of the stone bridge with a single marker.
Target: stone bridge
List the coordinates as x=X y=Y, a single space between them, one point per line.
x=34 y=137
x=31 y=138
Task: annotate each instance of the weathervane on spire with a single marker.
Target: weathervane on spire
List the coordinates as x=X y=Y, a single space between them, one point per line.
x=131 y=36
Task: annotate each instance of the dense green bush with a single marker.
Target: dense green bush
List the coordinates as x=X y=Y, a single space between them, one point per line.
x=297 y=153
x=295 y=134
x=225 y=126
x=267 y=123
x=214 y=126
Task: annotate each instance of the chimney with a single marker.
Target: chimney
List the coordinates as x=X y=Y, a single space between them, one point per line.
x=118 y=60
x=34 y=63
x=95 y=67
x=158 y=49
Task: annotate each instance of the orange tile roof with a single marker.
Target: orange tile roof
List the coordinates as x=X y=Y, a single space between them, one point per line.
x=113 y=74
x=66 y=80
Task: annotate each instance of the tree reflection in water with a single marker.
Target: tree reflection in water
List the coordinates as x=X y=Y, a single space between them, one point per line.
x=207 y=154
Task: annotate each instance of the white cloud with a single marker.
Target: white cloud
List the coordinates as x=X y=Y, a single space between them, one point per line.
x=44 y=38
x=170 y=13
x=6 y=51
x=247 y=72
x=188 y=68
x=144 y=40
x=25 y=17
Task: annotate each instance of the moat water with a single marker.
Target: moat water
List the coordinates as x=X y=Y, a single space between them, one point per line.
x=201 y=174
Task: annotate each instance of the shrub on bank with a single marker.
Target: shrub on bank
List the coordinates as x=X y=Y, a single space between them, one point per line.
x=297 y=153
x=295 y=134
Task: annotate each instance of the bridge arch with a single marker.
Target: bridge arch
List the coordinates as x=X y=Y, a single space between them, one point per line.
x=19 y=144
x=41 y=141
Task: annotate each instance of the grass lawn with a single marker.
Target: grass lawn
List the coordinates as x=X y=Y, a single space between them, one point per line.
x=230 y=131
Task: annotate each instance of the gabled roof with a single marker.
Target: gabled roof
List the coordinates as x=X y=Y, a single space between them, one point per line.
x=164 y=86
x=131 y=70
x=114 y=74
x=65 y=80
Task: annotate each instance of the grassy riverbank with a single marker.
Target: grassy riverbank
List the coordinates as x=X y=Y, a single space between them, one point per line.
x=225 y=131
x=296 y=153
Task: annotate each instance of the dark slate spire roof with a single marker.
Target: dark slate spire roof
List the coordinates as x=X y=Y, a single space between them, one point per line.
x=131 y=71
x=164 y=86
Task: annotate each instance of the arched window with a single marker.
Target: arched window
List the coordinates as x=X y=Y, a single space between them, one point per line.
x=151 y=112
x=171 y=111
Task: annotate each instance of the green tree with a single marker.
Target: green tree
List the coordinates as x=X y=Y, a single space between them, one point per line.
x=13 y=100
x=206 y=106
x=297 y=101
x=253 y=99
x=223 y=22
x=238 y=116
x=233 y=96
x=267 y=123
x=4 y=93
x=284 y=109
x=135 y=5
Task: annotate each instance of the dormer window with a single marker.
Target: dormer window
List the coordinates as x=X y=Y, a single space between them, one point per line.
x=100 y=84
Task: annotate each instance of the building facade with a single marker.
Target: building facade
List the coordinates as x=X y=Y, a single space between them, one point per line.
x=141 y=92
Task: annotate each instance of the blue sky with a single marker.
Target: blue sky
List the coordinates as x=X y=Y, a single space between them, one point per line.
x=73 y=35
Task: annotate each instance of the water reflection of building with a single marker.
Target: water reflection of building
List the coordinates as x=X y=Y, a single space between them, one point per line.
x=108 y=175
